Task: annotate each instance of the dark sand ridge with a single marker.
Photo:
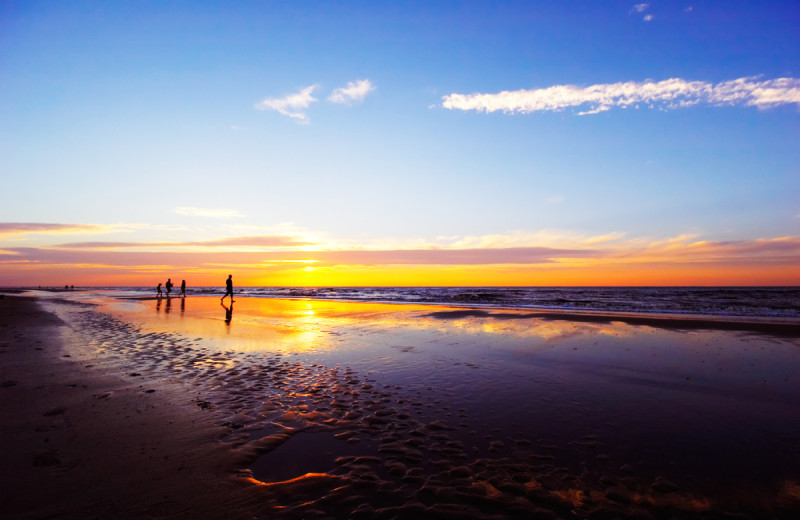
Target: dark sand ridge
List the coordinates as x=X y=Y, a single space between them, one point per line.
x=411 y=440
x=772 y=326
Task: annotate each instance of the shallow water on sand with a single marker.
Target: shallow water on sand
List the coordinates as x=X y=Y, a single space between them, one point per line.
x=410 y=410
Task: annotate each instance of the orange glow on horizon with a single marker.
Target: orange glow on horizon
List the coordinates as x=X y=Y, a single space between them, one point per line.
x=303 y=275
x=678 y=261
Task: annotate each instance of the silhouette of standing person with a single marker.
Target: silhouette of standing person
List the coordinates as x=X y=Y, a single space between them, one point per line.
x=228 y=288
x=159 y=289
x=183 y=288
x=168 y=285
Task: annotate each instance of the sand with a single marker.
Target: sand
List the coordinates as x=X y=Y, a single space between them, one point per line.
x=81 y=441
x=304 y=409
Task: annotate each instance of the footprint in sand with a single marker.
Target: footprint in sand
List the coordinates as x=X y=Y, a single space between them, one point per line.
x=402 y=348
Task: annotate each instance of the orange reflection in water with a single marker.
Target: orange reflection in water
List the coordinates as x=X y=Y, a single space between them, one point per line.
x=264 y=324
x=254 y=324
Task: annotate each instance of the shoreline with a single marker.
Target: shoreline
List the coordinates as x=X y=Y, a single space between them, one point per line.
x=301 y=408
x=788 y=327
x=781 y=309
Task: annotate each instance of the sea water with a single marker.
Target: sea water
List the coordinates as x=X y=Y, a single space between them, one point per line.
x=752 y=302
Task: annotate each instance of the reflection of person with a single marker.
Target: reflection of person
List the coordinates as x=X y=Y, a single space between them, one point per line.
x=159 y=289
x=228 y=313
x=168 y=285
x=183 y=288
x=228 y=288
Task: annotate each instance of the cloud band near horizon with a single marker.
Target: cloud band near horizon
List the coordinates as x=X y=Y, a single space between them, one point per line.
x=25 y=228
x=677 y=261
x=670 y=93
x=784 y=250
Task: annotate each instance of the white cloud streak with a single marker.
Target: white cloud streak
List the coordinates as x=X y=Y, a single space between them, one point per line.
x=355 y=91
x=293 y=105
x=206 y=212
x=666 y=94
x=26 y=228
x=639 y=8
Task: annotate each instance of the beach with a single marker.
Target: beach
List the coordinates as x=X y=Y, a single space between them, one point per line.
x=269 y=408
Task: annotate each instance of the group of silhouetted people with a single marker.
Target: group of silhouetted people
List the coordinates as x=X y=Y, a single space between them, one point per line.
x=228 y=292
x=168 y=286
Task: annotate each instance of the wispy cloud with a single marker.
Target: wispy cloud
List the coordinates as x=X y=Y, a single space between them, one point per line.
x=293 y=105
x=495 y=256
x=767 y=250
x=208 y=212
x=23 y=228
x=641 y=8
x=666 y=94
x=248 y=242
x=355 y=91
x=554 y=239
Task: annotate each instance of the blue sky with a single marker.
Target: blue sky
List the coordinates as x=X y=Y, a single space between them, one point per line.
x=120 y=115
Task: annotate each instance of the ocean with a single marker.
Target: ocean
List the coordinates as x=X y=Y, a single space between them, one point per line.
x=741 y=302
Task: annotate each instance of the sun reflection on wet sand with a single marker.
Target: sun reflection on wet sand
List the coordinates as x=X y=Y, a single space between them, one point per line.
x=257 y=324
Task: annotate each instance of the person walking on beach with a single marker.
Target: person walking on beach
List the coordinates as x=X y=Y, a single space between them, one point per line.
x=168 y=285
x=159 y=289
x=183 y=288
x=228 y=288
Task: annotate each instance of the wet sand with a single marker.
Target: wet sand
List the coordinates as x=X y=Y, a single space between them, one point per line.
x=314 y=409
x=81 y=440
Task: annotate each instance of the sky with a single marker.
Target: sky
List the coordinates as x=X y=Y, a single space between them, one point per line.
x=400 y=143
